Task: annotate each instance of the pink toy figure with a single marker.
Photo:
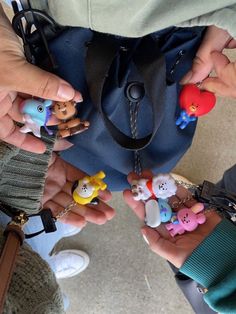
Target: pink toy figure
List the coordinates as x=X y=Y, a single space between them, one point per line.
x=187 y=220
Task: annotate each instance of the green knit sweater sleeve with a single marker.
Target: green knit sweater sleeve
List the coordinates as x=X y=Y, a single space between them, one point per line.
x=22 y=175
x=213 y=265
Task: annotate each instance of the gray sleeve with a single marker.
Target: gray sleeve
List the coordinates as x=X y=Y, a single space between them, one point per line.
x=22 y=175
x=224 y=18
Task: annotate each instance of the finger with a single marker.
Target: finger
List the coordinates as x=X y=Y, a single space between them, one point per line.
x=69 y=218
x=14 y=112
x=200 y=70
x=159 y=245
x=5 y=105
x=224 y=84
x=136 y=206
x=107 y=210
x=231 y=44
x=34 y=81
x=215 y=39
x=74 y=219
x=104 y=195
x=11 y=134
x=90 y=214
x=218 y=87
x=62 y=145
x=146 y=173
x=220 y=61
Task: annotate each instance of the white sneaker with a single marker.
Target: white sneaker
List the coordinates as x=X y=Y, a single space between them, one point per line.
x=68 y=263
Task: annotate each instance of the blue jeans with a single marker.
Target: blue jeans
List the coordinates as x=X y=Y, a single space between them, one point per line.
x=45 y=242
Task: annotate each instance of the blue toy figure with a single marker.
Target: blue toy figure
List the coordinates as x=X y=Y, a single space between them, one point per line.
x=184 y=119
x=165 y=210
x=35 y=114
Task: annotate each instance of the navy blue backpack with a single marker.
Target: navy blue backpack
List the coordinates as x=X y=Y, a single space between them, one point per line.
x=130 y=89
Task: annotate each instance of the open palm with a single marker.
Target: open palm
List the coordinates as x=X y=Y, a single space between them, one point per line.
x=57 y=195
x=174 y=249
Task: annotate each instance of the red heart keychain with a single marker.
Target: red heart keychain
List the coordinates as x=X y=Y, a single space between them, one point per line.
x=194 y=102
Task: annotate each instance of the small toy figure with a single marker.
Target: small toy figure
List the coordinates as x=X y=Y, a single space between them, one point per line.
x=165 y=210
x=157 y=212
x=35 y=114
x=187 y=220
x=85 y=190
x=66 y=111
x=160 y=186
x=194 y=103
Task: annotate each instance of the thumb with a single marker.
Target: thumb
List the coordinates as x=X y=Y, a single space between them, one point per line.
x=201 y=68
x=215 y=39
x=32 y=80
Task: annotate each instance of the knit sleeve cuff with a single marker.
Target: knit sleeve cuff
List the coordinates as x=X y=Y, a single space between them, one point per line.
x=22 y=175
x=215 y=257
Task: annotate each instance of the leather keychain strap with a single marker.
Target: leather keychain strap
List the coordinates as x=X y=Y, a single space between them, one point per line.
x=14 y=239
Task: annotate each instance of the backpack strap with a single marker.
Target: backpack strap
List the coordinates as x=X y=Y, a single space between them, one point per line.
x=101 y=53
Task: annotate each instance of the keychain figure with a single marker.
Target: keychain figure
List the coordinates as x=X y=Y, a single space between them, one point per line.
x=66 y=111
x=157 y=212
x=154 y=192
x=85 y=190
x=194 y=103
x=160 y=186
x=35 y=114
x=186 y=219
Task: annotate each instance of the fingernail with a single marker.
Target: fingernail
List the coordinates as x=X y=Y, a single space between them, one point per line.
x=186 y=78
x=145 y=239
x=66 y=92
x=78 y=97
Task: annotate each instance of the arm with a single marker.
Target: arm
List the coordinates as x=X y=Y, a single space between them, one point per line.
x=207 y=254
x=223 y=18
x=217 y=270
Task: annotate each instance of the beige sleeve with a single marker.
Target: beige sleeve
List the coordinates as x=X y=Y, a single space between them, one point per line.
x=224 y=18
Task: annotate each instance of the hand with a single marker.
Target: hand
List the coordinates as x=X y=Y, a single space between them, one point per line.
x=57 y=195
x=174 y=249
x=209 y=57
x=18 y=76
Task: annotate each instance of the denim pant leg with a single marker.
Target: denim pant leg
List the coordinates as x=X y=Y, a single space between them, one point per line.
x=43 y=243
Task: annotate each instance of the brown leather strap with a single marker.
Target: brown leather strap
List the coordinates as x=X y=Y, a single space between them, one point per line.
x=14 y=239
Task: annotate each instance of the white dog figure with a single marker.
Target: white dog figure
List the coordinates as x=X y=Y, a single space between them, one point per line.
x=160 y=186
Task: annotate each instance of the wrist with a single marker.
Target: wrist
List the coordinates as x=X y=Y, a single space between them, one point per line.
x=214 y=257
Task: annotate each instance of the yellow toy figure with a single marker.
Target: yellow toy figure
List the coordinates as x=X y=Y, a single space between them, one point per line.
x=85 y=190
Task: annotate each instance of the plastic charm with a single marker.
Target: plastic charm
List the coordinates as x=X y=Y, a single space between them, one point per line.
x=66 y=111
x=157 y=212
x=160 y=186
x=35 y=114
x=194 y=103
x=186 y=219
x=85 y=190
